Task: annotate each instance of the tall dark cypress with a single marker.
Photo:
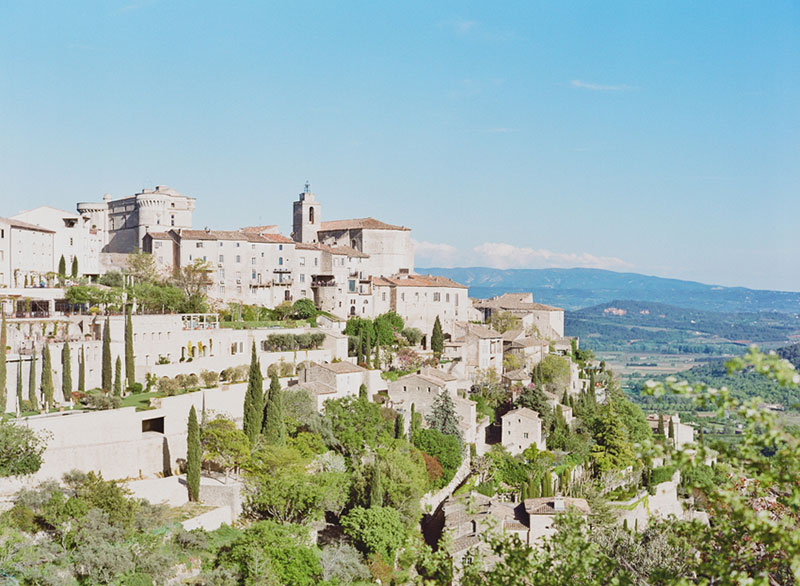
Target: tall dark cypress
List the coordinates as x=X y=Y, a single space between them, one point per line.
x=274 y=423
x=399 y=427
x=254 y=399
x=66 y=371
x=32 y=395
x=194 y=455
x=376 y=486
x=118 y=377
x=19 y=385
x=437 y=338
x=47 y=378
x=74 y=267
x=3 y=367
x=82 y=371
x=130 y=367
x=106 y=369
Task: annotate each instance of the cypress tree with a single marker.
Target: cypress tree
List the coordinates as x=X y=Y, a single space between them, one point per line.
x=565 y=399
x=118 y=377
x=19 y=385
x=254 y=399
x=376 y=364
x=415 y=421
x=62 y=266
x=437 y=338
x=274 y=424
x=66 y=371
x=106 y=371
x=360 y=353
x=671 y=429
x=82 y=371
x=376 y=486
x=47 y=378
x=32 y=384
x=702 y=438
x=130 y=368
x=362 y=393
x=660 y=429
x=592 y=383
x=399 y=427
x=74 y=267
x=367 y=346
x=194 y=453
x=3 y=366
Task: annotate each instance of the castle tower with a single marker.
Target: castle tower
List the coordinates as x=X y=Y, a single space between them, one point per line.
x=307 y=217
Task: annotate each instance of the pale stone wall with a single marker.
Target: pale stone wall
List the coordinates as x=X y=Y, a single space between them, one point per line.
x=24 y=252
x=520 y=431
x=419 y=306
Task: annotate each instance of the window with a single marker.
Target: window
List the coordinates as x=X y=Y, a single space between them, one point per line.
x=222 y=274
x=157 y=244
x=238 y=258
x=525 y=435
x=302 y=261
x=310 y=215
x=302 y=278
x=437 y=296
x=351 y=286
x=200 y=244
x=221 y=258
x=253 y=246
x=447 y=297
x=172 y=220
x=253 y=261
x=220 y=244
x=280 y=260
x=238 y=276
x=316 y=261
x=238 y=244
x=383 y=296
x=221 y=290
x=253 y=276
x=280 y=246
x=238 y=288
x=402 y=296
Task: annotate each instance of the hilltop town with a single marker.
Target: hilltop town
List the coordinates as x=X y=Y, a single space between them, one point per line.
x=311 y=383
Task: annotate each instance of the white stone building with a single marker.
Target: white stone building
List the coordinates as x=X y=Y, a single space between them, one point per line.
x=542 y=321
x=475 y=347
x=419 y=299
x=337 y=380
x=26 y=253
x=124 y=222
x=521 y=428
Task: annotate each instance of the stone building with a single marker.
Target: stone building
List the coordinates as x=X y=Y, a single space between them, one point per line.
x=336 y=380
x=542 y=321
x=419 y=300
x=26 y=253
x=124 y=222
x=476 y=347
x=521 y=427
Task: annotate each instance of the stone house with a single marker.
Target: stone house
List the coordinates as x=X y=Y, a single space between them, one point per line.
x=543 y=511
x=336 y=380
x=26 y=253
x=521 y=427
x=543 y=321
x=684 y=433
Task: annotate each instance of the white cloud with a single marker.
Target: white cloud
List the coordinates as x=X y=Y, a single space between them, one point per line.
x=507 y=256
x=596 y=87
x=434 y=254
x=501 y=255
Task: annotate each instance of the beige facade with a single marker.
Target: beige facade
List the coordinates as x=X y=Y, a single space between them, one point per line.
x=521 y=428
x=477 y=347
x=537 y=319
x=420 y=299
x=337 y=380
x=26 y=253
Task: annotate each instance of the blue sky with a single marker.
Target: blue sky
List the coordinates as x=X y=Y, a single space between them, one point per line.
x=655 y=137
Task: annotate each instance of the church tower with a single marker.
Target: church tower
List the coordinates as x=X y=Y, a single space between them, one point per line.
x=307 y=217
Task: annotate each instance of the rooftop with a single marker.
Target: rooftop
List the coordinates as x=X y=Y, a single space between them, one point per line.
x=359 y=224
x=522 y=412
x=25 y=225
x=514 y=301
x=417 y=281
x=341 y=367
x=552 y=505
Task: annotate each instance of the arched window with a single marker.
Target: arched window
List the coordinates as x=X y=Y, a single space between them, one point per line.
x=354 y=244
x=310 y=215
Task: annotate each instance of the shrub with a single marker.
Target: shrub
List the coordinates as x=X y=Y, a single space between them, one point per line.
x=210 y=378
x=20 y=450
x=102 y=401
x=375 y=530
x=136 y=388
x=168 y=386
x=445 y=448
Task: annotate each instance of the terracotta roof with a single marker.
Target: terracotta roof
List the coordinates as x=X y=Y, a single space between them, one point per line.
x=514 y=301
x=272 y=229
x=440 y=374
x=341 y=367
x=159 y=235
x=482 y=331
x=417 y=281
x=25 y=226
x=339 y=250
x=233 y=235
x=522 y=412
x=547 y=505
x=268 y=237
x=359 y=224
x=528 y=342
x=511 y=335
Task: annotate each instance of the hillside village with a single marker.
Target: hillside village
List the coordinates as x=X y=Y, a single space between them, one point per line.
x=320 y=357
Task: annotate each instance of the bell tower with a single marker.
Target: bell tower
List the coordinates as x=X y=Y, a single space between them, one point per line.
x=307 y=216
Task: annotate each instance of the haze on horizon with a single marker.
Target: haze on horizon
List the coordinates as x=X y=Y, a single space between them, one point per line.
x=654 y=138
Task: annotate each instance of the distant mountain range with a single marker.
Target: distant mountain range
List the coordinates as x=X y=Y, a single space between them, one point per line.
x=578 y=288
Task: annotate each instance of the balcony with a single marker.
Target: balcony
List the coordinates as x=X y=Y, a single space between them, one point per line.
x=324 y=283
x=286 y=282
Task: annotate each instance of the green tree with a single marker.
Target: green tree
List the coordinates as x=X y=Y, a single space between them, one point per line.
x=20 y=449
x=118 y=377
x=32 y=394
x=362 y=392
x=399 y=427
x=442 y=416
x=535 y=399
x=82 y=371
x=254 y=399
x=66 y=371
x=194 y=455
x=3 y=366
x=376 y=486
x=274 y=421
x=106 y=366
x=504 y=321
x=47 y=378
x=445 y=448
x=224 y=444
x=19 y=385
x=375 y=530
x=62 y=267
x=671 y=429
x=611 y=450
x=660 y=429
x=304 y=309
x=130 y=367
x=74 y=267
x=437 y=338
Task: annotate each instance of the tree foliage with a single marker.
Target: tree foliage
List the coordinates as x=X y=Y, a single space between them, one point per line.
x=194 y=456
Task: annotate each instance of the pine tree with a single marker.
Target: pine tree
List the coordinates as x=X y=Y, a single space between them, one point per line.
x=437 y=338
x=660 y=429
x=82 y=371
x=442 y=415
x=274 y=423
x=194 y=454
x=62 y=266
x=47 y=378
x=671 y=429
x=66 y=371
x=399 y=427
x=118 y=377
x=254 y=399
x=363 y=394
x=106 y=369
x=74 y=267
x=130 y=367
x=19 y=385
x=376 y=486
x=3 y=366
